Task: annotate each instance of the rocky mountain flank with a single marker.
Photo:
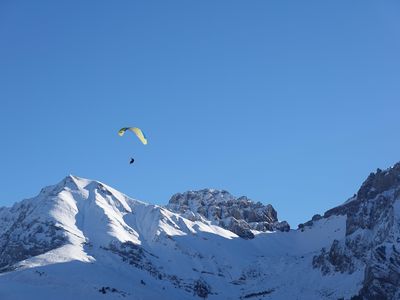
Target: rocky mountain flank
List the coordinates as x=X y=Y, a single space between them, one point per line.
x=372 y=240
x=239 y=215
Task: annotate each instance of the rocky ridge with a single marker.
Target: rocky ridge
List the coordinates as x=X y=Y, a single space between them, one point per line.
x=239 y=215
x=372 y=239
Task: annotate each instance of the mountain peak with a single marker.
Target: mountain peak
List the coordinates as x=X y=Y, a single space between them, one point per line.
x=239 y=215
x=380 y=181
x=70 y=182
x=202 y=197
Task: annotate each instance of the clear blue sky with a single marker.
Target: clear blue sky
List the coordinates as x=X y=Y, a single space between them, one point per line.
x=291 y=103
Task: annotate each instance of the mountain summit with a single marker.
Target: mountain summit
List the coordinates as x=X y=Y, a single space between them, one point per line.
x=239 y=215
x=82 y=239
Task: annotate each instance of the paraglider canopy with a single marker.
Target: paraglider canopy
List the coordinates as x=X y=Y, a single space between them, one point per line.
x=139 y=133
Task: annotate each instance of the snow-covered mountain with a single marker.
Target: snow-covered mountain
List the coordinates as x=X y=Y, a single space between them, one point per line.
x=81 y=239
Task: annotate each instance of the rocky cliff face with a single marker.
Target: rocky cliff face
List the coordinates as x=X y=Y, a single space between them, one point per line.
x=239 y=215
x=372 y=240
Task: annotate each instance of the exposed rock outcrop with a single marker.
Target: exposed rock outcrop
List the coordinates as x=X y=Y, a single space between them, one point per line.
x=372 y=236
x=239 y=215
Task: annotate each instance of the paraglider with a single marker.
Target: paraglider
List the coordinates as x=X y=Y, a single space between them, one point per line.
x=138 y=132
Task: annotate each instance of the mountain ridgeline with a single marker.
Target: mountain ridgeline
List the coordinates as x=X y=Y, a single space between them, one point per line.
x=239 y=215
x=81 y=239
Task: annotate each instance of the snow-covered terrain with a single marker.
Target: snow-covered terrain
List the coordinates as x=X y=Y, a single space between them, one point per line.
x=81 y=239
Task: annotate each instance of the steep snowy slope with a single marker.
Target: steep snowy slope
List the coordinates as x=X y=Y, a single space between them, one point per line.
x=81 y=239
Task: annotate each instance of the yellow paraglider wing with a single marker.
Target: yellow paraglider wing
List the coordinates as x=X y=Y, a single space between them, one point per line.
x=139 y=133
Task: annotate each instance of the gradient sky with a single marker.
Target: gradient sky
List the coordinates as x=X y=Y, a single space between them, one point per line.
x=291 y=103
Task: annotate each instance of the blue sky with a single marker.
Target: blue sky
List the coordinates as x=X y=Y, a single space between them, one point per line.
x=291 y=103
